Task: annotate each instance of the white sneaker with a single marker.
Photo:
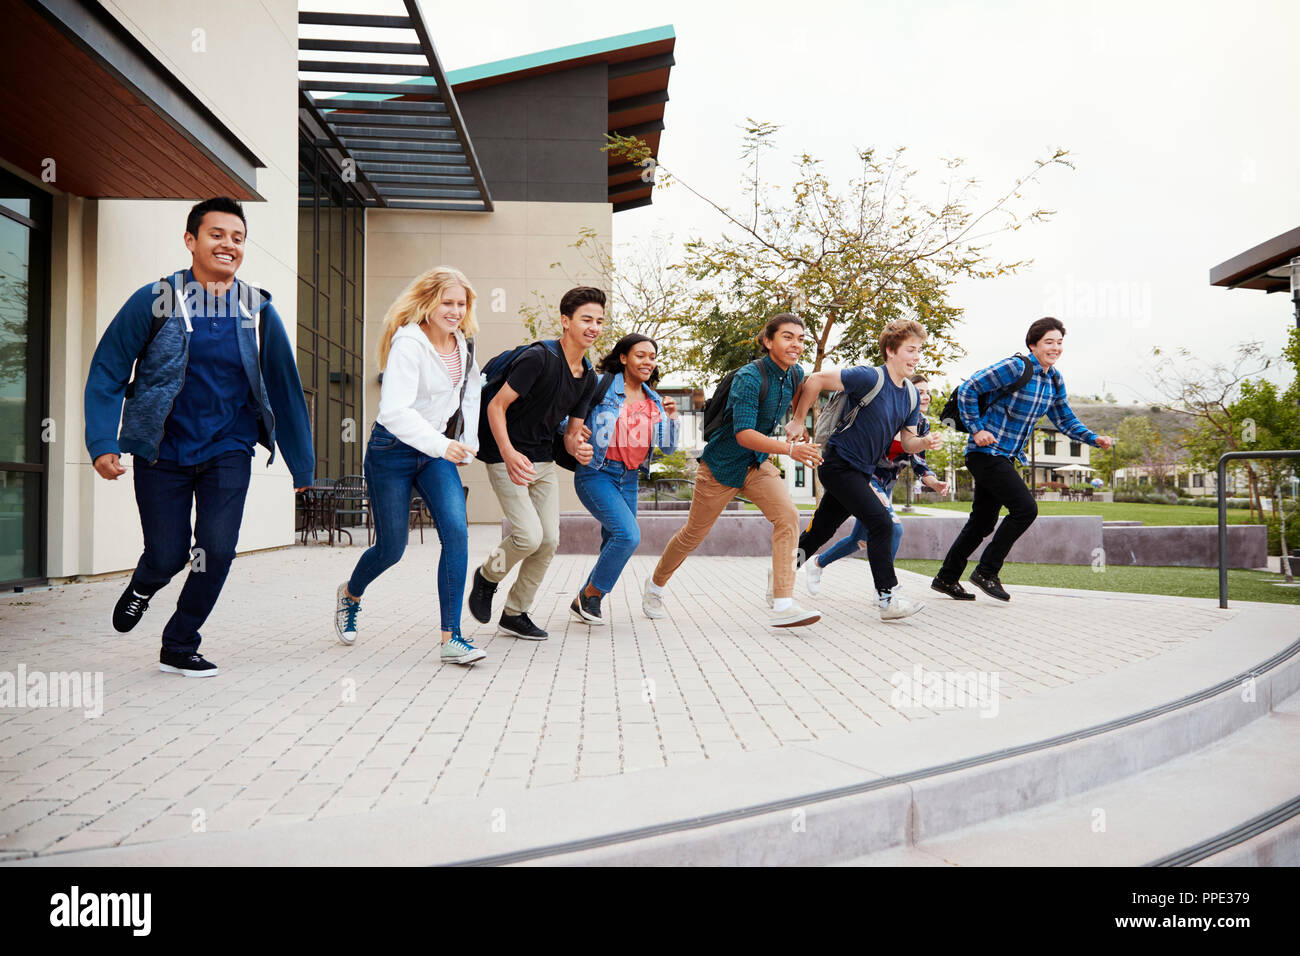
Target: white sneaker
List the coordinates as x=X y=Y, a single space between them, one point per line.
x=652 y=604
x=793 y=616
x=813 y=576
x=769 y=588
x=900 y=607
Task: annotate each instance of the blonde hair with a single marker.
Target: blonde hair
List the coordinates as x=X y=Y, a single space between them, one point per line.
x=898 y=331
x=419 y=299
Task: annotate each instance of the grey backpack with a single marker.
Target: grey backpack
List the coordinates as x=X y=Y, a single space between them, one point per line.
x=834 y=419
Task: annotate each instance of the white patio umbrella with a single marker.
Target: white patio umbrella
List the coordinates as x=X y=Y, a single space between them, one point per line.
x=1078 y=468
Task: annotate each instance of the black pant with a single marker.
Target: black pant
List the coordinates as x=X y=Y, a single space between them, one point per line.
x=848 y=492
x=997 y=484
x=165 y=492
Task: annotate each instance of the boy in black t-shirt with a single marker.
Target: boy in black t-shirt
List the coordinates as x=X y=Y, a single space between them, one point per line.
x=516 y=429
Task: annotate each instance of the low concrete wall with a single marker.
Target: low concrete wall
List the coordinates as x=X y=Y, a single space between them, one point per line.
x=1052 y=539
x=1185 y=546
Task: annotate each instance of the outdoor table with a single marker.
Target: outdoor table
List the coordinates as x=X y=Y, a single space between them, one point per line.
x=319 y=503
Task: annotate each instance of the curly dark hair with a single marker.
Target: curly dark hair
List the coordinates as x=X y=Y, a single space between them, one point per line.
x=613 y=362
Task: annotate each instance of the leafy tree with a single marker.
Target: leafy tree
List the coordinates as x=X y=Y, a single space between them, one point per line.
x=1208 y=392
x=645 y=294
x=845 y=260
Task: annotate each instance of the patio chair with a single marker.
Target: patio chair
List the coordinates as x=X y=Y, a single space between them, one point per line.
x=350 y=501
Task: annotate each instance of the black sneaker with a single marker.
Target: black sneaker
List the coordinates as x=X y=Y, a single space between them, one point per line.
x=191 y=665
x=480 y=597
x=518 y=625
x=130 y=608
x=990 y=586
x=586 y=609
x=953 y=589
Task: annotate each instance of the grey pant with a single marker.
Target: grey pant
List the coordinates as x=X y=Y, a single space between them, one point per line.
x=534 y=514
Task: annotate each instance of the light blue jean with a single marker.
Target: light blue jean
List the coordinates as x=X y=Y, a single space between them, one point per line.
x=392 y=469
x=609 y=493
x=856 y=540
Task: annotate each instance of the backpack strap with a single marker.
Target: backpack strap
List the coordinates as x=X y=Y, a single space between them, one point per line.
x=178 y=298
x=867 y=399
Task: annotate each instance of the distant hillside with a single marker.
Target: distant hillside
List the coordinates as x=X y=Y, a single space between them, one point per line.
x=1104 y=418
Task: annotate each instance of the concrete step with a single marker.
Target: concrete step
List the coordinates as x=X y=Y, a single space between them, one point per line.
x=1147 y=817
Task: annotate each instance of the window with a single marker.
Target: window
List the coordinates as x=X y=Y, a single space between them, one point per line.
x=331 y=243
x=1198 y=480
x=25 y=215
x=798 y=475
x=1049 y=445
x=1142 y=479
x=1076 y=449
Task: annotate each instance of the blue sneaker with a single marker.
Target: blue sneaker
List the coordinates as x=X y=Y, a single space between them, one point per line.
x=345 y=615
x=460 y=651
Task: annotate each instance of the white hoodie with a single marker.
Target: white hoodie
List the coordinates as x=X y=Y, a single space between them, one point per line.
x=416 y=399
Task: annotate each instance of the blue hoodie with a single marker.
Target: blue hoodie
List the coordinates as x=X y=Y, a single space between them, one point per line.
x=274 y=380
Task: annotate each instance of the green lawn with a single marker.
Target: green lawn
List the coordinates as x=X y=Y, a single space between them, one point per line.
x=1124 y=511
x=1181 y=582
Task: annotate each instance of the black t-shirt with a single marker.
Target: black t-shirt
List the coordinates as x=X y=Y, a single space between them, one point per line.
x=548 y=391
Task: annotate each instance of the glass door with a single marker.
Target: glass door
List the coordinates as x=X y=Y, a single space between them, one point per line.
x=25 y=432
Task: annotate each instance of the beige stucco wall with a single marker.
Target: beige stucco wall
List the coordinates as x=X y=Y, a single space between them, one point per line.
x=507 y=255
x=104 y=250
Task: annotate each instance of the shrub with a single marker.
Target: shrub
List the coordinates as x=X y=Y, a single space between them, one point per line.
x=1147 y=497
x=965 y=494
x=1210 y=501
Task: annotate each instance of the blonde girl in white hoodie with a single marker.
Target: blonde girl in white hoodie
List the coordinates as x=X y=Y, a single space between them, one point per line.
x=427 y=426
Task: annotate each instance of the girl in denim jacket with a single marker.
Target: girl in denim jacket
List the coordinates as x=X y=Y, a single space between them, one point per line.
x=628 y=420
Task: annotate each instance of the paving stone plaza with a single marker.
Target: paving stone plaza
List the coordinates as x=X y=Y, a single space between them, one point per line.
x=299 y=727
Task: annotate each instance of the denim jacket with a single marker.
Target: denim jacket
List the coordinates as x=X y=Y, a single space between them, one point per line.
x=604 y=414
x=270 y=366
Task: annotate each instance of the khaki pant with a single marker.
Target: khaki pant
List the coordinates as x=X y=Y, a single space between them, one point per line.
x=763 y=486
x=534 y=514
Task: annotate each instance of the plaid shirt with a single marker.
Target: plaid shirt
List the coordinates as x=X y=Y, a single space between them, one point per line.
x=1011 y=418
x=726 y=458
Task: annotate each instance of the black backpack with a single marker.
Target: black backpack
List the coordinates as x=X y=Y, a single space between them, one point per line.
x=498 y=369
x=453 y=423
x=715 y=409
x=951 y=414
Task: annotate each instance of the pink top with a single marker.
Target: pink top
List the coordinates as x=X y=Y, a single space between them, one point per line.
x=633 y=433
x=452 y=362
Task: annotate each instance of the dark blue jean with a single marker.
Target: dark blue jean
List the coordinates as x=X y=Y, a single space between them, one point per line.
x=392 y=469
x=857 y=538
x=609 y=493
x=164 y=493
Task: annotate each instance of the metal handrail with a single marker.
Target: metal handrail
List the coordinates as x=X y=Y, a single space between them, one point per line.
x=1223 y=508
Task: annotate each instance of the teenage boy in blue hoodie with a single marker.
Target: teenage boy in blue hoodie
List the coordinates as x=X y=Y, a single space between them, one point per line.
x=214 y=376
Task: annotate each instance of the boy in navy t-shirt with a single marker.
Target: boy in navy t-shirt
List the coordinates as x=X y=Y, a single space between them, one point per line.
x=854 y=448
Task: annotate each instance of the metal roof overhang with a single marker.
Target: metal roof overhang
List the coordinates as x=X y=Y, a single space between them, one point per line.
x=1249 y=270
x=639 y=66
x=397 y=122
x=78 y=89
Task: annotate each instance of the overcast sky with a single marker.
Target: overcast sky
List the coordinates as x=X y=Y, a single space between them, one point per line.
x=1180 y=118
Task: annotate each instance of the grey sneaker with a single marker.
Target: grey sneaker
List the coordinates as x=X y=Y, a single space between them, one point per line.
x=652 y=605
x=793 y=616
x=345 y=615
x=457 y=650
x=813 y=575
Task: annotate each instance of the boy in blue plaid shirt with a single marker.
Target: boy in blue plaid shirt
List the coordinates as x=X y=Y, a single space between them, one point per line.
x=997 y=441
